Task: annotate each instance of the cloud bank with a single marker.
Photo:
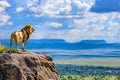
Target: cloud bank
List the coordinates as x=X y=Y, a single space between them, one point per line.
x=72 y=20
x=4 y=17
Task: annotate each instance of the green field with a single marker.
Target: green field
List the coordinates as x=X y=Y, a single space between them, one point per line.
x=78 y=77
x=89 y=69
x=113 y=62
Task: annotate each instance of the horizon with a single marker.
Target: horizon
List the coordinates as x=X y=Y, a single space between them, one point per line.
x=71 y=20
x=67 y=41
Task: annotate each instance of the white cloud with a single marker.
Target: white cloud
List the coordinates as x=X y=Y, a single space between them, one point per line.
x=83 y=5
x=47 y=34
x=49 y=7
x=82 y=23
x=10 y=23
x=91 y=26
x=3 y=15
x=58 y=8
x=4 y=19
x=118 y=16
x=19 y=9
x=94 y=26
x=4 y=4
x=49 y=25
x=55 y=24
x=44 y=31
x=1 y=9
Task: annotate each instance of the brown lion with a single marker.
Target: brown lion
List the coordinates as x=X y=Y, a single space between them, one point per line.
x=21 y=36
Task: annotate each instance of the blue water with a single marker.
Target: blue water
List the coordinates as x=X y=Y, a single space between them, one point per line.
x=63 y=50
x=77 y=54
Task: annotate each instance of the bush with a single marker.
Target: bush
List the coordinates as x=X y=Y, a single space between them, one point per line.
x=3 y=48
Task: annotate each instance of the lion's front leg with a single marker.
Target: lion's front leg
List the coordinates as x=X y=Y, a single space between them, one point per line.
x=24 y=46
x=16 y=45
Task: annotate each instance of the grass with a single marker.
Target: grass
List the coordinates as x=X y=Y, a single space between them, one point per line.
x=88 y=77
x=4 y=48
x=113 y=62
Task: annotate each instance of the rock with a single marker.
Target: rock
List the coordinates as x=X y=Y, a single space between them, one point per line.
x=27 y=66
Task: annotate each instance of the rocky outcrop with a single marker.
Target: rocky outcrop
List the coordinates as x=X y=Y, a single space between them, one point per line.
x=27 y=66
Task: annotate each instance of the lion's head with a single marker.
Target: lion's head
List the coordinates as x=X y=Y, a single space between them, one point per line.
x=28 y=28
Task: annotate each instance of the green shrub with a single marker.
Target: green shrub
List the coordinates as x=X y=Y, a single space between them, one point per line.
x=4 y=48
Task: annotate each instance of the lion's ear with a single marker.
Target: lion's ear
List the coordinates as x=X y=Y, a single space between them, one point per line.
x=28 y=25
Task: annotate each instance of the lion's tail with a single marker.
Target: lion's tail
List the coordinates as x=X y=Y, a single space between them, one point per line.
x=11 y=41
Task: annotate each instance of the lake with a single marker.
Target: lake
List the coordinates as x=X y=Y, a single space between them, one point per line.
x=60 y=49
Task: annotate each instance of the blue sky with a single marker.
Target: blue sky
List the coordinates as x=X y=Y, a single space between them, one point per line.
x=71 y=20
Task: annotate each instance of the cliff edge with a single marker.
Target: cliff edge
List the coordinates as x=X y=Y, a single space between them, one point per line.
x=27 y=66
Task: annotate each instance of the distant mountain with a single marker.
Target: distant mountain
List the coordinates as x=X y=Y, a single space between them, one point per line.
x=63 y=41
x=94 y=41
x=62 y=44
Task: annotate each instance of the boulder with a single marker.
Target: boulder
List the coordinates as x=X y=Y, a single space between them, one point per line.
x=27 y=66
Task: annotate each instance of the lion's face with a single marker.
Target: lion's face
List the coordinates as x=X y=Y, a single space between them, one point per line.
x=29 y=29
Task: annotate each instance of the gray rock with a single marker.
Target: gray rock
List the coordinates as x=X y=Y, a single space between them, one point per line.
x=27 y=66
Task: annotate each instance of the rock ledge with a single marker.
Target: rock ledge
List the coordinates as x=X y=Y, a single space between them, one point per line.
x=27 y=66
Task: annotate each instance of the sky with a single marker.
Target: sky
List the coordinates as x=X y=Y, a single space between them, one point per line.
x=71 y=20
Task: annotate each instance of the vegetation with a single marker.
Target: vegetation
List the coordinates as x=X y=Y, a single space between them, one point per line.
x=78 y=77
x=112 y=62
x=3 y=48
x=77 y=72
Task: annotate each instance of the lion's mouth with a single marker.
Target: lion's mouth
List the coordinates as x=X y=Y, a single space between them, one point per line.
x=33 y=30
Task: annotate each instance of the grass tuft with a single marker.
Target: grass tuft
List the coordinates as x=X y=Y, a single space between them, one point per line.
x=4 y=48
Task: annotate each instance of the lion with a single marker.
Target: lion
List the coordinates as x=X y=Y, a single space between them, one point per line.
x=21 y=36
